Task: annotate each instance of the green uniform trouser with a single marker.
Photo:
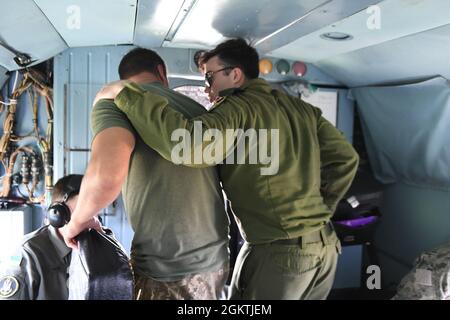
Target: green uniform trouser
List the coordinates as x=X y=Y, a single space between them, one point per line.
x=287 y=269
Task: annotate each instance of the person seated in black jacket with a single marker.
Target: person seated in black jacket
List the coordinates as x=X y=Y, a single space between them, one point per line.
x=40 y=271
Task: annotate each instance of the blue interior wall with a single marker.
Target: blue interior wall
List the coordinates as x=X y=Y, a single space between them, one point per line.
x=79 y=74
x=348 y=273
x=414 y=220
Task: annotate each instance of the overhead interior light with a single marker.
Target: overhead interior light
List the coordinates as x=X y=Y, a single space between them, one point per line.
x=283 y=67
x=299 y=68
x=194 y=24
x=181 y=16
x=336 y=36
x=265 y=66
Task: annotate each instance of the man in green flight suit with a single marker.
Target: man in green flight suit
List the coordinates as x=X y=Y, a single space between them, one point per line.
x=283 y=201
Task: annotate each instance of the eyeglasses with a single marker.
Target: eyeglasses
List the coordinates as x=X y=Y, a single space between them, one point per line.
x=209 y=76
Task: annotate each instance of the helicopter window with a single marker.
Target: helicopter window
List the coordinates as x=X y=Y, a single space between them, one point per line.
x=196 y=93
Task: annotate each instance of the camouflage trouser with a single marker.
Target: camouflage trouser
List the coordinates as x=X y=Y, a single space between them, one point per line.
x=430 y=278
x=203 y=286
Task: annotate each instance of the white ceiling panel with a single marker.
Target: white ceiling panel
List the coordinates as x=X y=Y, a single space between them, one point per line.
x=205 y=23
x=396 y=18
x=153 y=21
x=25 y=29
x=410 y=58
x=320 y=16
x=91 y=23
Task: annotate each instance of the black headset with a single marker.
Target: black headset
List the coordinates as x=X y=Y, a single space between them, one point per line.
x=59 y=212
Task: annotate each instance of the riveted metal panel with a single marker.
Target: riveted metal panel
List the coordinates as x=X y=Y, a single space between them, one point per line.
x=79 y=75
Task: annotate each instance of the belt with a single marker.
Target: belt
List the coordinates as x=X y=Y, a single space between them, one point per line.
x=320 y=235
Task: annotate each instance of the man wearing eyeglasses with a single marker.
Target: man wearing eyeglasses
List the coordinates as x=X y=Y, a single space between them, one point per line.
x=213 y=93
x=291 y=249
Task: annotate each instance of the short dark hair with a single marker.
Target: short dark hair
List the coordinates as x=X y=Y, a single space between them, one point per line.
x=69 y=185
x=236 y=52
x=139 y=60
x=198 y=58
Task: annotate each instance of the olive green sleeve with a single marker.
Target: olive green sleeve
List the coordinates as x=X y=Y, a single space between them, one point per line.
x=105 y=115
x=175 y=137
x=339 y=162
